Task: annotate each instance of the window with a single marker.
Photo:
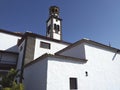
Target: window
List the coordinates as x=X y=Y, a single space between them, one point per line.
x=73 y=83
x=45 y=45
x=56 y=27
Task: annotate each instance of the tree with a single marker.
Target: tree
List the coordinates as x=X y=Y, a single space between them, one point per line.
x=8 y=81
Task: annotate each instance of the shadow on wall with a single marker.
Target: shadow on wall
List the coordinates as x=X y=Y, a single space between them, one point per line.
x=71 y=61
x=13 y=49
x=115 y=54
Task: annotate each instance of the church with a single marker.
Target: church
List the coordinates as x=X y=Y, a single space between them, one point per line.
x=49 y=63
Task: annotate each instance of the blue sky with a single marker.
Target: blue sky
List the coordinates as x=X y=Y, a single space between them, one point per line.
x=98 y=20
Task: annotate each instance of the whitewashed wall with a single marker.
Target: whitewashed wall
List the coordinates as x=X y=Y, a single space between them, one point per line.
x=49 y=22
x=77 y=51
x=57 y=35
x=61 y=70
x=56 y=22
x=35 y=76
x=54 y=47
x=8 y=42
x=103 y=71
x=103 y=67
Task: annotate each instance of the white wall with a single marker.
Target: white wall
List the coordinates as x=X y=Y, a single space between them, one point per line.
x=103 y=71
x=8 y=42
x=77 y=51
x=54 y=47
x=35 y=76
x=103 y=68
x=56 y=22
x=57 y=35
x=61 y=70
x=49 y=22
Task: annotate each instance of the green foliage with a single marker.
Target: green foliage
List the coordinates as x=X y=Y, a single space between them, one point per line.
x=6 y=89
x=5 y=82
x=8 y=81
x=17 y=86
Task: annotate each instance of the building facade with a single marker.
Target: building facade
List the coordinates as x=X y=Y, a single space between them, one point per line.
x=49 y=63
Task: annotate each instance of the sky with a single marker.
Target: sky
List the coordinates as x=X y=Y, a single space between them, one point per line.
x=97 y=20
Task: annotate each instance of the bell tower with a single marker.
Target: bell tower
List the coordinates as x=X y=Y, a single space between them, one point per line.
x=54 y=28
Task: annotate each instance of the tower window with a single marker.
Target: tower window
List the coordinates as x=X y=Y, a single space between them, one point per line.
x=56 y=27
x=45 y=45
x=73 y=83
x=56 y=10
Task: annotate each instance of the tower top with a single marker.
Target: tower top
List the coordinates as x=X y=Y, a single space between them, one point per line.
x=54 y=11
x=54 y=24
